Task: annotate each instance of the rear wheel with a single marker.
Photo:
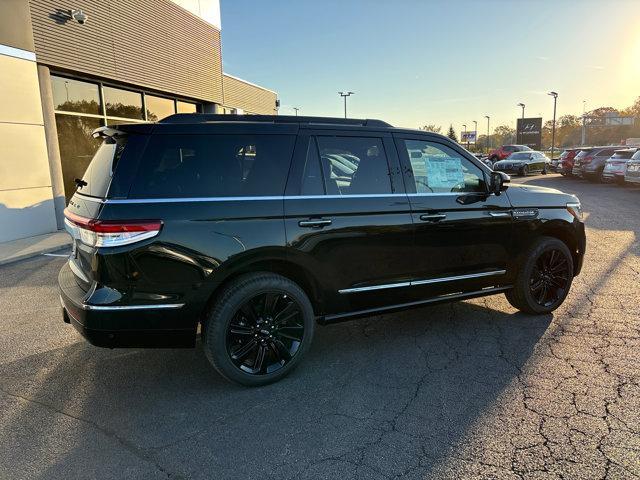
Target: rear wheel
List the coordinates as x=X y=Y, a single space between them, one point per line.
x=524 y=171
x=544 y=277
x=258 y=329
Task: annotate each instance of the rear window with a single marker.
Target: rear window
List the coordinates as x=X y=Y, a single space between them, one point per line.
x=175 y=166
x=622 y=155
x=582 y=153
x=636 y=156
x=509 y=148
x=97 y=177
x=607 y=152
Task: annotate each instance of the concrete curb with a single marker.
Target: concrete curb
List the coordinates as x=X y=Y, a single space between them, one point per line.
x=23 y=249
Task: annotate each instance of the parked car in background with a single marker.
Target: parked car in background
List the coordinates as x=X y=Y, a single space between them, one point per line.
x=589 y=163
x=505 y=150
x=564 y=164
x=255 y=228
x=616 y=166
x=632 y=174
x=523 y=163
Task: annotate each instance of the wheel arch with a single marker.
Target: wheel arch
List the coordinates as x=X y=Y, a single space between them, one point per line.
x=565 y=233
x=280 y=266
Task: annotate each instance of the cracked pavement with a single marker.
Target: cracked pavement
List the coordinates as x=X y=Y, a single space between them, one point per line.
x=471 y=389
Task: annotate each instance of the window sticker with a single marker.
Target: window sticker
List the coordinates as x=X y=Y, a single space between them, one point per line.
x=444 y=172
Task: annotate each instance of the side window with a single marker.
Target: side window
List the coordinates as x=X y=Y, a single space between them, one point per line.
x=438 y=168
x=213 y=166
x=354 y=165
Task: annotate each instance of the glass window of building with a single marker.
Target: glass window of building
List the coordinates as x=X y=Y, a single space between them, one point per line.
x=123 y=103
x=77 y=147
x=158 y=107
x=75 y=96
x=186 y=107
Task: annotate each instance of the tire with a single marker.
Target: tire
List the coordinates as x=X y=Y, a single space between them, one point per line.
x=544 y=170
x=552 y=255
x=524 y=171
x=256 y=328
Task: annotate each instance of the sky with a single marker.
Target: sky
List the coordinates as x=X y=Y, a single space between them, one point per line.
x=413 y=63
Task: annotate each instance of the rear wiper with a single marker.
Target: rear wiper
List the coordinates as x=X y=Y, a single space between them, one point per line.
x=80 y=183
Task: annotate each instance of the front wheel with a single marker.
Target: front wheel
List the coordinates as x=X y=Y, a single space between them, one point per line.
x=524 y=171
x=544 y=170
x=545 y=273
x=258 y=329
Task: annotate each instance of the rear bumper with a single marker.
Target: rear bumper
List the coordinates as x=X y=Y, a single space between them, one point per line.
x=124 y=325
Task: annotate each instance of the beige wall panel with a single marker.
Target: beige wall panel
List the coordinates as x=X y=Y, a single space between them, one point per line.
x=23 y=157
x=250 y=98
x=26 y=212
x=19 y=91
x=15 y=24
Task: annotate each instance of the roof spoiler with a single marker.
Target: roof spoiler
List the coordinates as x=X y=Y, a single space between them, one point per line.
x=103 y=132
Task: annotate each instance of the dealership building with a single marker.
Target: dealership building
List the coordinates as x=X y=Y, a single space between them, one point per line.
x=70 y=66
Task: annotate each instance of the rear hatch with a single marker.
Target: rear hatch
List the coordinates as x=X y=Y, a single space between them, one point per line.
x=108 y=176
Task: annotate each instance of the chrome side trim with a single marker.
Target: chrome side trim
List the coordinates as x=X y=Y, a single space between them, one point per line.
x=375 y=287
x=244 y=199
x=423 y=282
x=160 y=306
x=457 y=277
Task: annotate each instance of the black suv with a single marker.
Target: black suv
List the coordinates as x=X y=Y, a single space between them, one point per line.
x=255 y=228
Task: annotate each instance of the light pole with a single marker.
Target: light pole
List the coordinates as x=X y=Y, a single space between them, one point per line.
x=296 y=109
x=464 y=131
x=553 y=131
x=522 y=105
x=488 y=138
x=345 y=95
x=583 y=138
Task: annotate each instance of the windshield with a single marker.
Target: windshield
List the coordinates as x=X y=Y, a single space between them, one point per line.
x=97 y=177
x=519 y=156
x=636 y=156
x=623 y=155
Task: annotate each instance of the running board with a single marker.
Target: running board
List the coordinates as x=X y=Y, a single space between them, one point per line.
x=342 y=317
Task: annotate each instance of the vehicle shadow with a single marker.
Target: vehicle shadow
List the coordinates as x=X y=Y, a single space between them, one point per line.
x=378 y=395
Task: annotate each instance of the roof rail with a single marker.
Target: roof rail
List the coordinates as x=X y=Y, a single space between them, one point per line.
x=213 y=117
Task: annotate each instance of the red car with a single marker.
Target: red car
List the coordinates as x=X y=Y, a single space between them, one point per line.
x=565 y=162
x=505 y=150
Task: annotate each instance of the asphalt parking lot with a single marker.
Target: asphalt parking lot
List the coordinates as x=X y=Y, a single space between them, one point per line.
x=466 y=390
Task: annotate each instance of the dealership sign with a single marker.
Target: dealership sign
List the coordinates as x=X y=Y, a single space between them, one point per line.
x=468 y=137
x=529 y=132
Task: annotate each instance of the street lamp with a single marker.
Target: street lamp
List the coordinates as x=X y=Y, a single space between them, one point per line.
x=464 y=130
x=488 y=138
x=345 y=95
x=522 y=105
x=296 y=109
x=553 y=131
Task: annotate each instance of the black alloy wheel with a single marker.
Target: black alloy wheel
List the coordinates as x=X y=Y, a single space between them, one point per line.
x=258 y=328
x=544 y=276
x=550 y=278
x=265 y=334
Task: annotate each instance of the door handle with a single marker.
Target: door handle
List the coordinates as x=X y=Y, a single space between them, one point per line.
x=433 y=217
x=319 y=223
x=499 y=214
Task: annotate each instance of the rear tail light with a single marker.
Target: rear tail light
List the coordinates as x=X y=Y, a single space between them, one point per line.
x=586 y=159
x=110 y=233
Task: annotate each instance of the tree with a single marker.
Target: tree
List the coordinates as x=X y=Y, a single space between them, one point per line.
x=431 y=127
x=503 y=135
x=452 y=134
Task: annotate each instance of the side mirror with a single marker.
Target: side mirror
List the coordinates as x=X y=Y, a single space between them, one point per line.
x=498 y=182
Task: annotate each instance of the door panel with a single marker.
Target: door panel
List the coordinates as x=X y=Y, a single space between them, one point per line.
x=352 y=240
x=462 y=233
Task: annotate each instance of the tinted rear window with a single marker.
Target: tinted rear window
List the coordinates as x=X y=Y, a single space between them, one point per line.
x=213 y=166
x=622 y=155
x=100 y=171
